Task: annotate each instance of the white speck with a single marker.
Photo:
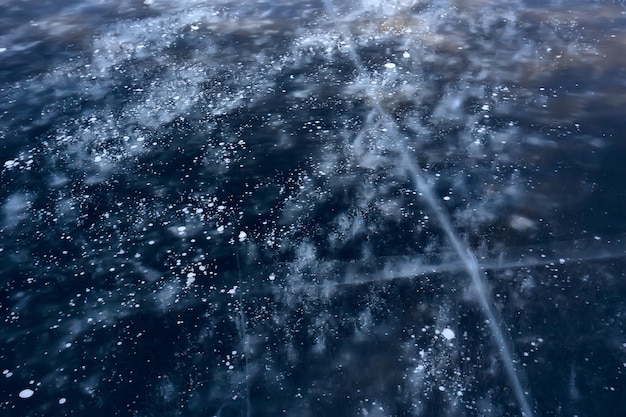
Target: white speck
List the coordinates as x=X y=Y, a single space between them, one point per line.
x=151 y=242
x=220 y=229
x=26 y=393
x=68 y=345
x=561 y=261
x=442 y=388
x=62 y=400
x=390 y=65
x=242 y=236
x=272 y=276
x=97 y=158
x=233 y=290
x=195 y=27
x=3 y=50
x=485 y=107
x=448 y=334
x=447 y=198
x=406 y=55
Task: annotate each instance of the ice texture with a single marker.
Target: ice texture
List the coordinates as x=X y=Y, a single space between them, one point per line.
x=290 y=207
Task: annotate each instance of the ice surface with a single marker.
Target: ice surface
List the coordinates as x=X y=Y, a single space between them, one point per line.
x=309 y=208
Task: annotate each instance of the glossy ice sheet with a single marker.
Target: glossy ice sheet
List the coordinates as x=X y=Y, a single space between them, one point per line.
x=312 y=208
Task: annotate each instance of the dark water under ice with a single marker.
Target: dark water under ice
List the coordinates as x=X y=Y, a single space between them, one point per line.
x=312 y=208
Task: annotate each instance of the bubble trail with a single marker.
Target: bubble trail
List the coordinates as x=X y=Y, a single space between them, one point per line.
x=463 y=251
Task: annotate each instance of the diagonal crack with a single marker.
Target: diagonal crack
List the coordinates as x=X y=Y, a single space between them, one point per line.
x=463 y=251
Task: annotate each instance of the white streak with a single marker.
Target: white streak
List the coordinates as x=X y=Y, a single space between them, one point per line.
x=463 y=251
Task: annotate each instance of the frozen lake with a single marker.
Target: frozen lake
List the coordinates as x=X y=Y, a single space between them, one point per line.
x=313 y=208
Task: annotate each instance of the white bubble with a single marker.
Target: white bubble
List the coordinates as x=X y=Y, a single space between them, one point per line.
x=448 y=334
x=26 y=393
